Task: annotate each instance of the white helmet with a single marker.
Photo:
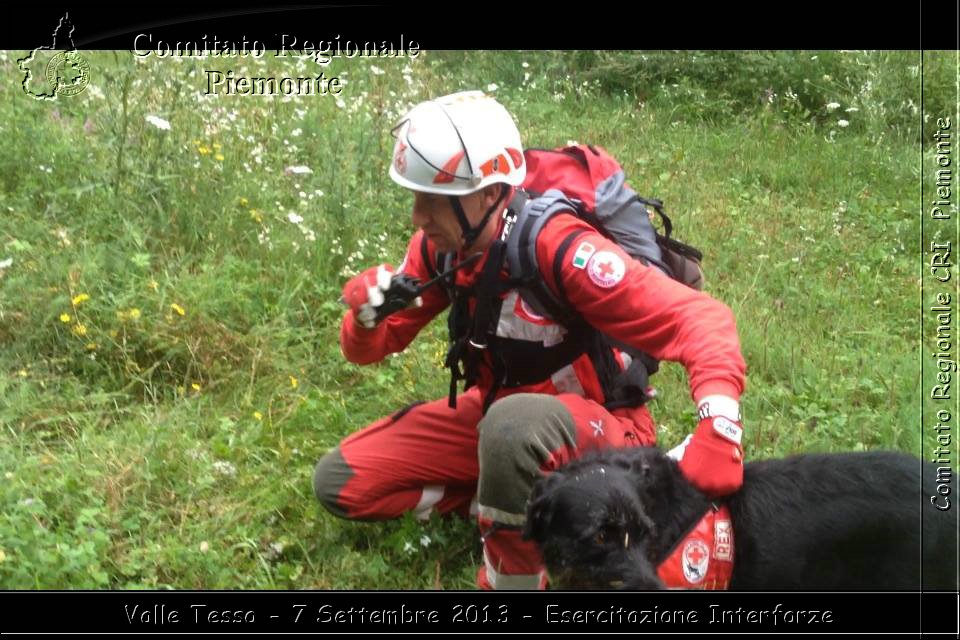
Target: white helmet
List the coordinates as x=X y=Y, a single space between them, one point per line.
x=456 y=145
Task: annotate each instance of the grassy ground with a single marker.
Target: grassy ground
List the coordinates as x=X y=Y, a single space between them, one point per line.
x=169 y=367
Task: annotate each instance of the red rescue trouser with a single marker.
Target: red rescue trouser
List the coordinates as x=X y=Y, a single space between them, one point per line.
x=425 y=458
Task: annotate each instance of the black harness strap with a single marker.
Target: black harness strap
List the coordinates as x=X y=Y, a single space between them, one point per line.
x=471 y=336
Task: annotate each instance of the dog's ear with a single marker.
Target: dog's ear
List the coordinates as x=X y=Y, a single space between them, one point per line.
x=646 y=463
x=539 y=514
x=655 y=471
x=539 y=509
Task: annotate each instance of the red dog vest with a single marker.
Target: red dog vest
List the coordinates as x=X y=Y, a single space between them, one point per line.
x=704 y=558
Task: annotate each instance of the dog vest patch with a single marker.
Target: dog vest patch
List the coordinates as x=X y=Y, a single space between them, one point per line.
x=704 y=558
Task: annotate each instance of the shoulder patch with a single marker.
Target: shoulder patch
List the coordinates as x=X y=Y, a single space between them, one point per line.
x=582 y=255
x=606 y=269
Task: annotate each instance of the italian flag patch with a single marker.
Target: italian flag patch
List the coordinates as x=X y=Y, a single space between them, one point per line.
x=582 y=255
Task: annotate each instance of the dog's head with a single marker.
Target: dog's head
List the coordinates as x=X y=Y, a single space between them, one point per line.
x=591 y=521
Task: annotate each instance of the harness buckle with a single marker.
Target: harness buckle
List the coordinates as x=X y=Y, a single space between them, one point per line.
x=475 y=345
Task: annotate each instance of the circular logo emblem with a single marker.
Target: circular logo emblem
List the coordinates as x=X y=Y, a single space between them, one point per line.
x=68 y=73
x=606 y=269
x=696 y=557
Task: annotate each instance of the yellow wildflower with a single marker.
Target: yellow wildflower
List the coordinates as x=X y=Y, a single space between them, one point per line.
x=65 y=318
x=79 y=330
x=257 y=415
x=255 y=214
x=219 y=157
x=217 y=146
x=294 y=383
x=134 y=313
x=195 y=386
x=92 y=346
x=203 y=150
x=153 y=284
x=178 y=309
x=80 y=298
x=244 y=202
x=23 y=373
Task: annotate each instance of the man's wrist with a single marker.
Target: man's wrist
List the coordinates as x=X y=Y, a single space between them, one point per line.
x=719 y=405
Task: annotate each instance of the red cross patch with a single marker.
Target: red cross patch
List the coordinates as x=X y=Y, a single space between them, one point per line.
x=696 y=558
x=606 y=269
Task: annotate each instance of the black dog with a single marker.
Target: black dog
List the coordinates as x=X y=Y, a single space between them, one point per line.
x=850 y=521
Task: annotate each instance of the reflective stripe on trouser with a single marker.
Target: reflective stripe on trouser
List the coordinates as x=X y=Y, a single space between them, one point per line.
x=522 y=437
x=425 y=459
x=422 y=459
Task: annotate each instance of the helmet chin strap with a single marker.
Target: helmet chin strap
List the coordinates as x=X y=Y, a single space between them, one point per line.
x=470 y=234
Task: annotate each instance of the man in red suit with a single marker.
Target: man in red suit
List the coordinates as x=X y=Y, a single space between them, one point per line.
x=540 y=391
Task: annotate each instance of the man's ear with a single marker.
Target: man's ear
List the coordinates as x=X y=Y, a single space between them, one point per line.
x=492 y=192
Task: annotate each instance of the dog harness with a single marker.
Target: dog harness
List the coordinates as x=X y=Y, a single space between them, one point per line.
x=703 y=559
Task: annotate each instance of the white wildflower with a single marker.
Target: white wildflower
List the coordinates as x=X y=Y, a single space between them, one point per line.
x=842 y=123
x=297 y=170
x=224 y=468
x=296 y=132
x=492 y=86
x=159 y=123
x=851 y=109
x=377 y=71
x=425 y=541
x=832 y=106
x=294 y=218
x=5 y=264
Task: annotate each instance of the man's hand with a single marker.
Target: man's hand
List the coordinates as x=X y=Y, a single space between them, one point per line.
x=713 y=456
x=378 y=292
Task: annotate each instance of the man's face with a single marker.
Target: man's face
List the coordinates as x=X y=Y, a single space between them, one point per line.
x=434 y=214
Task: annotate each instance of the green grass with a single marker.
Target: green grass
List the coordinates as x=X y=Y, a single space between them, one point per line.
x=169 y=366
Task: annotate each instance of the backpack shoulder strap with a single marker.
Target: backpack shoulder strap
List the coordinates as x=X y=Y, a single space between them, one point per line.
x=531 y=216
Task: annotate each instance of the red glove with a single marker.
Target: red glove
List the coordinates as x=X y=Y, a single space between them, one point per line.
x=377 y=292
x=713 y=458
